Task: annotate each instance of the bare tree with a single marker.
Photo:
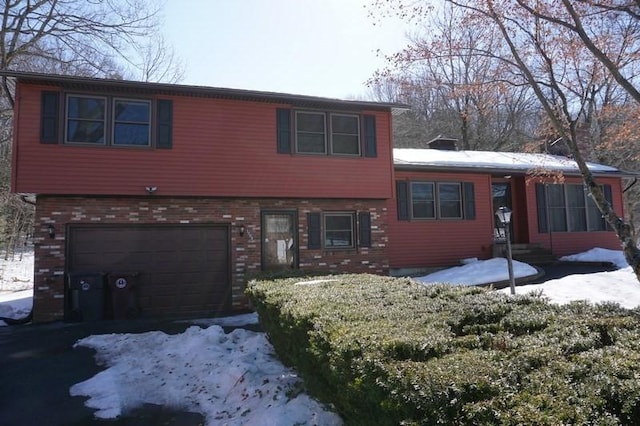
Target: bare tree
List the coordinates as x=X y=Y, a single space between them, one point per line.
x=97 y=38
x=565 y=70
x=456 y=92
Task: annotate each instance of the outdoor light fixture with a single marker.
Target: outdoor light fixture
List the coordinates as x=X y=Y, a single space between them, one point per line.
x=504 y=214
x=51 y=231
x=241 y=230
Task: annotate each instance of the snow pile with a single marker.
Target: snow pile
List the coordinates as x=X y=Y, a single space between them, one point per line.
x=619 y=286
x=480 y=272
x=232 y=379
x=16 y=285
x=599 y=255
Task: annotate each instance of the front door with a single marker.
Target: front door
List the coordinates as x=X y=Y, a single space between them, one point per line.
x=279 y=240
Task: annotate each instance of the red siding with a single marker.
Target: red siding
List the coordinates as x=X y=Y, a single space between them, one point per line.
x=220 y=148
x=421 y=243
x=564 y=243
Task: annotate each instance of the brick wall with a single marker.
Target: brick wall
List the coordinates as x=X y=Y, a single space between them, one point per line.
x=49 y=274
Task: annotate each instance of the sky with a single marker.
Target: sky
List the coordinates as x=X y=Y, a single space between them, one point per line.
x=244 y=382
x=327 y=48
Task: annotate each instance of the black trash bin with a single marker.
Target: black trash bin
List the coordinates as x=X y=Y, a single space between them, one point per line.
x=86 y=291
x=123 y=295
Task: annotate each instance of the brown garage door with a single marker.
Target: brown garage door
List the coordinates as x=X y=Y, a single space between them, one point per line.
x=183 y=269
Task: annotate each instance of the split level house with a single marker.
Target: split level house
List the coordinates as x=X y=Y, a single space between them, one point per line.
x=177 y=194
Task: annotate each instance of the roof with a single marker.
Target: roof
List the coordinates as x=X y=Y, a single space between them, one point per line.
x=140 y=87
x=491 y=162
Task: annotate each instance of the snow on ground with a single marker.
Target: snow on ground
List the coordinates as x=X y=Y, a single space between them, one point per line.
x=235 y=378
x=231 y=379
x=479 y=272
x=16 y=285
x=599 y=255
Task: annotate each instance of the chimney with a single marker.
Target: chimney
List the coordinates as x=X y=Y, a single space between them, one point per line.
x=443 y=143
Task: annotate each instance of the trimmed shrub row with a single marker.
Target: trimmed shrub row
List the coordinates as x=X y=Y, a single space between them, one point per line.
x=388 y=351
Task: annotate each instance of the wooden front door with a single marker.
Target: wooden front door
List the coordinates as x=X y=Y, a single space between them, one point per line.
x=279 y=240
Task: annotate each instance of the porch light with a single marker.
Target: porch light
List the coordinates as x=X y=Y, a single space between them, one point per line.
x=504 y=214
x=51 y=231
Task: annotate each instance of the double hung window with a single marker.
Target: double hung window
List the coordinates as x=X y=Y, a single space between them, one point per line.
x=103 y=121
x=339 y=230
x=436 y=200
x=327 y=133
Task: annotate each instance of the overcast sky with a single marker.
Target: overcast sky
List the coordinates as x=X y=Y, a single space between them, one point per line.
x=313 y=47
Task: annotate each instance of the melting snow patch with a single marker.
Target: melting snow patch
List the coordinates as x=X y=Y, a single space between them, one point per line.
x=232 y=379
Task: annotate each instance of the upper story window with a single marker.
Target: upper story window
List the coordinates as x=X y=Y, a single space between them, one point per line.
x=326 y=133
x=311 y=136
x=131 y=122
x=345 y=134
x=86 y=119
x=101 y=120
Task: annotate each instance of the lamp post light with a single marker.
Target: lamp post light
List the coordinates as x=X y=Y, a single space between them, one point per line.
x=504 y=214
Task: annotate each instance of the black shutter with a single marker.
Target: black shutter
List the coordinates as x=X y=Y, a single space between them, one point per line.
x=313 y=229
x=541 y=201
x=283 y=125
x=49 y=121
x=370 y=141
x=402 y=194
x=469 y=200
x=364 y=223
x=165 y=124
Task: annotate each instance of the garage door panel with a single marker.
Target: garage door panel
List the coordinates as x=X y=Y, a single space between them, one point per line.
x=183 y=269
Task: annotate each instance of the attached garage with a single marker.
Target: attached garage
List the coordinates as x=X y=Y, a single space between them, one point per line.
x=179 y=270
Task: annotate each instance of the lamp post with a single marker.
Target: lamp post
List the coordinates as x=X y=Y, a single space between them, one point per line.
x=504 y=214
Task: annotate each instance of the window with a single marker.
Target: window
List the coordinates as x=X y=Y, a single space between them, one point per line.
x=423 y=200
x=313 y=137
x=131 y=122
x=339 y=230
x=449 y=201
x=569 y=208
x=310 y=133
x=427 y=198
x=110 y=121
x=557 y=208
x=576 y=208
x=86 y=117
x=345 y=134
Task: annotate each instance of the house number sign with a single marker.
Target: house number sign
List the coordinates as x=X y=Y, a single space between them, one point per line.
x=121 y=283
x=85 y=286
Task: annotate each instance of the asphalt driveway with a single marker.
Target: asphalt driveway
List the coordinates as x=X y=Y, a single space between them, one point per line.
x=38 y=365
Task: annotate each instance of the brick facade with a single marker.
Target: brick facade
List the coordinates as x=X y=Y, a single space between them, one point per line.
x=59 y=211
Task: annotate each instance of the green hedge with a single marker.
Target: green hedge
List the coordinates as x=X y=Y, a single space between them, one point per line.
x=388 y=351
